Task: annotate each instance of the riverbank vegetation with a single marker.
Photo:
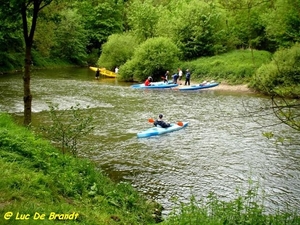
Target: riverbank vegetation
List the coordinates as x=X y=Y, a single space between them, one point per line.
x=39 y=179
x=253 y=42
x=245 y=208
x=116 y=33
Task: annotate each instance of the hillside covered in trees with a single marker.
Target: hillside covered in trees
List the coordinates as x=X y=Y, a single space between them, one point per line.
x=148 y=37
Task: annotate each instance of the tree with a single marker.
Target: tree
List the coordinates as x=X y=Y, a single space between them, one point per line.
x=11 y=40
x=70 y=38
x=100 y=20
x=245 y=24
x=152 y=58
x=286 y=30
x=282 y=75
x=199 y=29
x=115 y=51
x=28 y=11
x=142 y=18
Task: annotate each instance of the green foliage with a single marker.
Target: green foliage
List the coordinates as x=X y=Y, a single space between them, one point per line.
x=282 y=75
x=142 y=18
x=151 y=58
x=200 y=29
x=236 y=67
x=168 y=21
x=244 y=23
x=100 y=19
x=244 y=209
x=287 y=111
x=36 y=177
x=11 y=42
x=70 y=38
x=68 y=127
x=115 y=52
x=285 y=31
x=44 y=38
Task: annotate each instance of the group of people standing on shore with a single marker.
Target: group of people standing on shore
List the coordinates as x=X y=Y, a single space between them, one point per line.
x=177 y=77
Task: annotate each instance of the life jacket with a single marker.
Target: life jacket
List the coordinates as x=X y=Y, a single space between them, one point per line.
x=147 y=82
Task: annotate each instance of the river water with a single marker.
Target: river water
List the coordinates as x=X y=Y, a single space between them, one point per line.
x=221 y=150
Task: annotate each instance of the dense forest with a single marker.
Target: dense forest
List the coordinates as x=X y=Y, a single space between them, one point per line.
x=148 y=37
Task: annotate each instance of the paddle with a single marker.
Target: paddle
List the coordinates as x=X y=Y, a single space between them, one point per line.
x=179 y=123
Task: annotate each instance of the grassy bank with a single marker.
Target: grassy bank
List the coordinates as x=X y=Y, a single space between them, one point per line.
x=236 y=67
x=37 y=179
x=40 y=185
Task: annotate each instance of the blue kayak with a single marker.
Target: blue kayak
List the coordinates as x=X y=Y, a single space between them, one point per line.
x=153 y=131
x=198 y=87
x=155 y=85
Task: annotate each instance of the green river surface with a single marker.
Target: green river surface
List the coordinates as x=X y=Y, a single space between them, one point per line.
x=220 y=151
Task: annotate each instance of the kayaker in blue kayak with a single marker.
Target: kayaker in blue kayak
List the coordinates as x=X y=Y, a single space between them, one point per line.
x=160 y=122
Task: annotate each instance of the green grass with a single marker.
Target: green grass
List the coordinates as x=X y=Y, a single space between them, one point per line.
x=38 y=181
x=236 y=67
x=244 y=209
x=37 y=178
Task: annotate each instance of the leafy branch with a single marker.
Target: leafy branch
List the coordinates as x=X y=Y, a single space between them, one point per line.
x=67 y=127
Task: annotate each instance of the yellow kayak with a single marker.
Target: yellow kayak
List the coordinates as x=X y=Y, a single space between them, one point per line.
x=104 y=72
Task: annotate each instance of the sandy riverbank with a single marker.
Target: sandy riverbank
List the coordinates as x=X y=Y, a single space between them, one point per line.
x=230 y=88
x=237 y=88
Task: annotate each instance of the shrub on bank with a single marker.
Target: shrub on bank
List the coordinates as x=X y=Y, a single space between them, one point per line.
x=115 y=51
x=152 y=58
x=280 y=76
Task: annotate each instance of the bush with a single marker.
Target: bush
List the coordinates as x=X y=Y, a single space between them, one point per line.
x=152 y=58
x=281 y=75
x=67 y=127
x=116 y=51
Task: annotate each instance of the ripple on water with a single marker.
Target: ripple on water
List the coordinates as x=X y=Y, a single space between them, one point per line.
x=221 y=149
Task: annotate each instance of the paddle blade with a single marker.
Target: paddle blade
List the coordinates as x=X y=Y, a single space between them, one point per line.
x=180 y=123
x=151 y=120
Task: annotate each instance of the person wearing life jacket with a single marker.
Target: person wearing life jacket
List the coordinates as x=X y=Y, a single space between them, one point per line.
x=148 y=81
x=160 y=122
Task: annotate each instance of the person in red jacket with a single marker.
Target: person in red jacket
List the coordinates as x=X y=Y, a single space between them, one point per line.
x=148 y=81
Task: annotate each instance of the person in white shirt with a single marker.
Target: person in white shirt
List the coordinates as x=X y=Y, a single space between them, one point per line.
x=179 y=75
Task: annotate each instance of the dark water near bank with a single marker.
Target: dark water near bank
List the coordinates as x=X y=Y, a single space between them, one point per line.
x=220 y=151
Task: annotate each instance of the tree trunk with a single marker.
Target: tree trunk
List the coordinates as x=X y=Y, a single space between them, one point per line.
x=27 y=93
